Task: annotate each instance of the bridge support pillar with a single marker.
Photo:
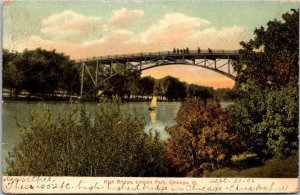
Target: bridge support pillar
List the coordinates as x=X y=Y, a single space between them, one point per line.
x=216 y=64
x=82 y=74
x=229 y=65
x=127 y=64
x=111 y=66
x=96 y=78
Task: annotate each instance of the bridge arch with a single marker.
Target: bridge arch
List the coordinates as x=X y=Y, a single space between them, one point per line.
x=219 y=61
x=230 y=76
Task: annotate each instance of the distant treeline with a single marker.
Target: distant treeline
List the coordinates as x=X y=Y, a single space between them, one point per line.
x=48 y=74
x=39 y=72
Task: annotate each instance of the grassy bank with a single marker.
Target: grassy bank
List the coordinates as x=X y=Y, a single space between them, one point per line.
x=282 y=168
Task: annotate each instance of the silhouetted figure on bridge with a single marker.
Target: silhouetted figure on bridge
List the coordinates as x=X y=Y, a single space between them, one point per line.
x=187 y=50
x=181 y=51
x=199 y=50
x=177 y=51
x=174 y=50
x=209 y=50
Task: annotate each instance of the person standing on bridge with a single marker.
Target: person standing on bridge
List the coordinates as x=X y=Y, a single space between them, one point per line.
x=187 y=50
x=174 y=50
x=177 y=51
x=199 y=50
x=209 y=50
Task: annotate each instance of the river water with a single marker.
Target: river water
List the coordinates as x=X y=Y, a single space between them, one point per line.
x=18 y=111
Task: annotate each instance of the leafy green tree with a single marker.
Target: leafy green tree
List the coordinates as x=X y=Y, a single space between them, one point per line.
x=268 y=76
x=202 y=138
x=12 y=76
x=146 y=85
x=159 y=89
x=200 y=91
x=123 y=83
x=271 y=58
x=227 y=94
x=76 y=144
x=171 y=88
x=40 y=72
x=268 y=120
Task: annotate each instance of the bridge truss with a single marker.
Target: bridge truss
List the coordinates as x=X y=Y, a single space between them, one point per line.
x=219 y=61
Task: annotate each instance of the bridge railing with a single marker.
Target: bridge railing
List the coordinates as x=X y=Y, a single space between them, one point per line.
x=161 y=53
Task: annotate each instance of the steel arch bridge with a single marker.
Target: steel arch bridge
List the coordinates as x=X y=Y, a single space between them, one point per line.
x=219 y=61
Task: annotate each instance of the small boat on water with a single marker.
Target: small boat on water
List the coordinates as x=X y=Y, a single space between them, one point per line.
x=153 y=104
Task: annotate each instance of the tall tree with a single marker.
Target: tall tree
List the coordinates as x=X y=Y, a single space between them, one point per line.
x=171 y=88
x=268 y=72
x=12 y=75
x=40 y=72
x=146 y=85
x=271 y=58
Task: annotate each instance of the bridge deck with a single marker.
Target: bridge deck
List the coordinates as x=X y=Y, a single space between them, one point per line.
x=192 y=54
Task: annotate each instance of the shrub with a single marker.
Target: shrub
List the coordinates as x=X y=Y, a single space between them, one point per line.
x=77 y=144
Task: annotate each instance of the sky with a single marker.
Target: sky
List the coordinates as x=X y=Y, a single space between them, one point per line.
x=84 y=29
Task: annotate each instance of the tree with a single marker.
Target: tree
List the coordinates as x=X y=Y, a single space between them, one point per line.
x=268 y=74
x=271 y=58
x=146 y=85
x=268 y=121
x=12 y=76
x=200 y=91
x=171 y=88
x=202 y=138
x=124 y=83
x=40 y=72
x=227 y=94
x=75 y=144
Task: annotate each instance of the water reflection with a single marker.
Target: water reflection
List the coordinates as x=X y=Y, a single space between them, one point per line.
x=153 y=117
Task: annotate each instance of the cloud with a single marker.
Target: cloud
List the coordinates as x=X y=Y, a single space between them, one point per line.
x=172 y=28
x=125 y=17
x=117 y=36
x=225 y=38
x=71 y=25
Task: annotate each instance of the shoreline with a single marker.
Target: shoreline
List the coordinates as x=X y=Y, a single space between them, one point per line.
x=59 y=99
x=77 y=99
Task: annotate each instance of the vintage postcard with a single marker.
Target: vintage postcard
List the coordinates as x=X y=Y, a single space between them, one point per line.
x=150 y=96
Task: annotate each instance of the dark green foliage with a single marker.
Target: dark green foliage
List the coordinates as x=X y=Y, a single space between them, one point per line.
x=274 y=168
x=146 y=85
x=267 y=113
x=271 y=58
x=171 y=88
x=39 y=72
x=76 y=144
x=123 y=84
x=200 y=91
x=268 y=120
x=12 y=76
x=226 y=94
